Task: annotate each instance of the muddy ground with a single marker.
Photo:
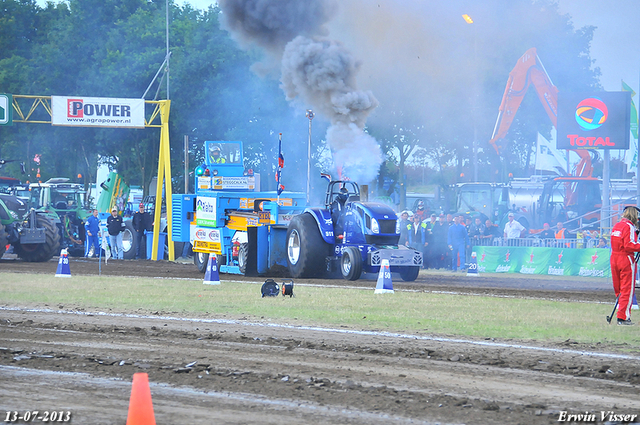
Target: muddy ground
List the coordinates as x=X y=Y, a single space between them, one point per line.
x=212 y=370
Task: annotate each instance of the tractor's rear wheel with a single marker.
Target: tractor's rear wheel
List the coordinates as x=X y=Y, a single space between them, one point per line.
x=41 y=251
x=243 y=257
x=129 y=241
x=351 y=263
x=306 y=250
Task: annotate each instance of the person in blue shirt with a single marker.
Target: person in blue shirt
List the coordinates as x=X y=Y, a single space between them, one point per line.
x=458 y=240
x=92 y=228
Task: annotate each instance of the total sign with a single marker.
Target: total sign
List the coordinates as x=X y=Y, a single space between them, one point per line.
x=599 y=120
x=206 y=211
x=6 y=109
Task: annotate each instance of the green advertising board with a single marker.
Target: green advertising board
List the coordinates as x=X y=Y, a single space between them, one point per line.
x=591 y=262
x=6 y=109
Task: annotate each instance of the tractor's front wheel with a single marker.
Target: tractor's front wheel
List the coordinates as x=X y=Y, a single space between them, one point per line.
x=351 y=263
x=201 y=259
x=409 y=274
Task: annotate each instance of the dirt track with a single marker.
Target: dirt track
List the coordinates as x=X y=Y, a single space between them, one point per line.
x=267 y=373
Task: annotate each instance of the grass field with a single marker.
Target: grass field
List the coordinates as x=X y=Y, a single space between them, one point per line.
x=441 y=314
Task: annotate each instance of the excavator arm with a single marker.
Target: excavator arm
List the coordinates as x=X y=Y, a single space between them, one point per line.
x=529 y=70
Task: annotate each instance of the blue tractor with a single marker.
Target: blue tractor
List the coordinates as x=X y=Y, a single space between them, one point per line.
x=347 y=235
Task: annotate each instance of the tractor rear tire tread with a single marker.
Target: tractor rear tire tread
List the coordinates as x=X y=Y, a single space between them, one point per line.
x=313 y=249
x=43 y=251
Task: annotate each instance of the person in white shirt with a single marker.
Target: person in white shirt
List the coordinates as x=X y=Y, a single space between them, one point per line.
x=513 y=229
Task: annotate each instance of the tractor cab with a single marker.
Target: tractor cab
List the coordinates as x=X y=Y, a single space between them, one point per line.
x=338 y=193
x=482 y=200
x=59 y=195
x=63 y=201
x=223 y=168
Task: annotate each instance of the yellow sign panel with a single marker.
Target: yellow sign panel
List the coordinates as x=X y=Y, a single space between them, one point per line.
x=210 y=247
x=264 y=217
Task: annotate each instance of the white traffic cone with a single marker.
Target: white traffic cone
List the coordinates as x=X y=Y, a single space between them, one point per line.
x=63 y=265
x=212 y=277
x=472 y=270
x=384 y=284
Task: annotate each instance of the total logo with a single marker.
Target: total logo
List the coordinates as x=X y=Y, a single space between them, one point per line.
x=591 y=113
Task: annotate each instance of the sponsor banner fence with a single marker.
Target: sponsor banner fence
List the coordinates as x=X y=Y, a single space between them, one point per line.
x=97 y=112
x=590 y=262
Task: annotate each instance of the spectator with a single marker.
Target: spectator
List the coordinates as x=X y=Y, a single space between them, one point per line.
x=440 y=252
x=546 y=234
x=449 y=220
x=416 y=232
x=458 y=240
x=427 y=256
x=433 y=221
x=513 y=229
x=491 y=233
x=186 y=251
x=420 y=211
x=92 y=227
x=591 y=238
x=602 y=243
x=402 y=228
x=563 y=233
x=477 y=232
x=141 y=222
x=115 y=227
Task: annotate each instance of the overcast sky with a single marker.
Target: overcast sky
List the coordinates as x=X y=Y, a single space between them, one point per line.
x=615 y=47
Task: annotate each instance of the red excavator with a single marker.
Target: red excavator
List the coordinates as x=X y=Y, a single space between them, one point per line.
x=529 y=70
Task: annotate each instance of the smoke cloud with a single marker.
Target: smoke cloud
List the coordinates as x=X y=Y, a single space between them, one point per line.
x=271 y=24
x=316 y=73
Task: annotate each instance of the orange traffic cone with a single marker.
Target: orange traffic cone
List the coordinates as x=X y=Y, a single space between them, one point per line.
x=140 y=405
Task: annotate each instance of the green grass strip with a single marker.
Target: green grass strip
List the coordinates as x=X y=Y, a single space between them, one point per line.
x=440 y=314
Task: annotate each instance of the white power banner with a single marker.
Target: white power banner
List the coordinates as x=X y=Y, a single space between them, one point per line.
x=97 y=112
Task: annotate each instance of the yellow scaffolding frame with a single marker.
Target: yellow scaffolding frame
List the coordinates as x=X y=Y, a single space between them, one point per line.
x=161 y=109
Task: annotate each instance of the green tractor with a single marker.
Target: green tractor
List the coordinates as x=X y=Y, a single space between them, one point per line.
x=63 y=202
x=32 y=234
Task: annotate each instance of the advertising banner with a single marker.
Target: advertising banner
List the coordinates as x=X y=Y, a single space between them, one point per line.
x=6 y=109
x=206 y=240
x=599 y=120
x=591 y=262
x=206 y=211
x=97 y=112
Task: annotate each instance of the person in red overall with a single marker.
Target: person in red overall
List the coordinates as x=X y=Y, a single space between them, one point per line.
x=624 y=245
